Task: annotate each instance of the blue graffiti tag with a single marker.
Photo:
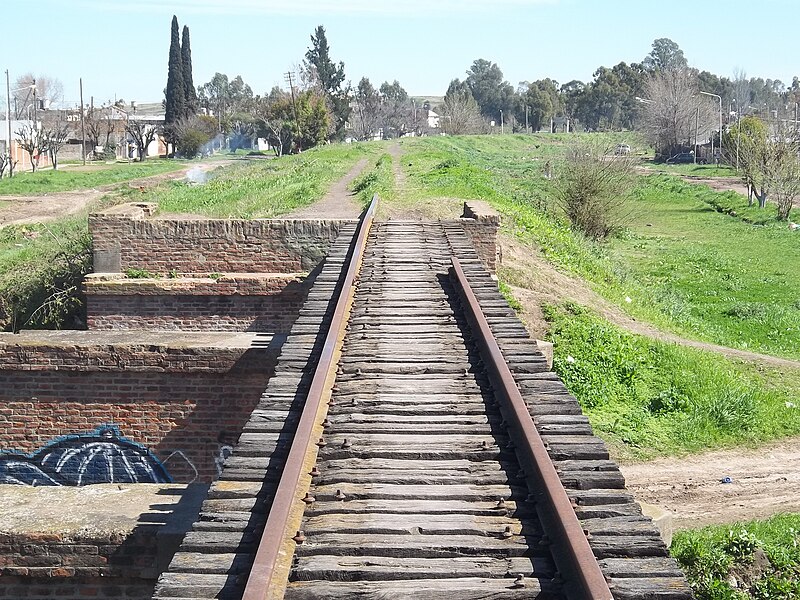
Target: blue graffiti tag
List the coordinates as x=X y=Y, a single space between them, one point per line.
x=101 y=456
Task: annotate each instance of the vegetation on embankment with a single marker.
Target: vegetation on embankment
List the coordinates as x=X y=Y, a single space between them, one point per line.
x=69 y=178
x=261 y=188
x=682 y=263
x=691 y=169
x=647 y=397
x=759 y=560
x=376 y=179
x=41 y=267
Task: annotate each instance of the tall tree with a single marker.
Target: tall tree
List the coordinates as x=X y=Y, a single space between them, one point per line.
x=666 y=55
x=175 y=92
x=459 y=112
x=329 y=76
x=490 y=91
x=190 y=95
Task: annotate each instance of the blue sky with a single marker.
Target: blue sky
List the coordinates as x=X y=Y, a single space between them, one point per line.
x=120 y=47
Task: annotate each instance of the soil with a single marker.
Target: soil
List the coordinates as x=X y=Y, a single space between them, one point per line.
x=18 y=210
x=338 y=203
x=764 y=481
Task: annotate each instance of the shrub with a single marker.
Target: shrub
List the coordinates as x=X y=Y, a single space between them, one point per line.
x=593 y=189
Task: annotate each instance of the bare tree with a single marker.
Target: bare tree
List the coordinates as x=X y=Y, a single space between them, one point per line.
x=99 y=124
x=782 y=161
x=49 y=90
x=143 y=135
x=53 y=138
x=30 y=142
x=675 y=113
x=6 y=162
x=460 y=114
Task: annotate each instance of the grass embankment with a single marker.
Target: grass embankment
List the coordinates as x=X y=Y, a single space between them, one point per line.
x=377 y=179
x=41 y=265
x=684 y=266
x=647 y=397
x=757 y=560
x=258 y=188
x=72 y=178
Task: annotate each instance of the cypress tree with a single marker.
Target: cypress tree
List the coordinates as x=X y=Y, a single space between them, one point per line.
x=175 y=92
x=188 y=82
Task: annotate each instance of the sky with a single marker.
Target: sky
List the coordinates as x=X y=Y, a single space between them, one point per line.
x=120 y=47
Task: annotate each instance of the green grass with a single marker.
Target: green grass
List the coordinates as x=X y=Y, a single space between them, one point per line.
x=762 y=557
x=376 y=180
x=76 y=178
x=41 y=267
x=691 y=169
x=649 y=398
x=685 y=265
x=262 y=188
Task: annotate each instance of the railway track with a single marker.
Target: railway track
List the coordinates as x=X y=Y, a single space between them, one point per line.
x=435 y=454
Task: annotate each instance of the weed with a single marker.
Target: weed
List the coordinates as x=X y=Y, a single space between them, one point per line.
x=134 y=273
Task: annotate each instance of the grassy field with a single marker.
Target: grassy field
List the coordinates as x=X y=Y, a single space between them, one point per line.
x=761 y=557
x=686 y=266
x=258 y=188
x=649 y=398
x=77 y=178
x=691 y=169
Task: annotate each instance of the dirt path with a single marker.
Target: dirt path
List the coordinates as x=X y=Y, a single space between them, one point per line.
x=18 y=210
x=338 y=203
x=764 y=482
x=396 y=152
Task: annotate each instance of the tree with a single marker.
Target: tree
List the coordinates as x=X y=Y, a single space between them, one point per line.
x=593 y=189
x=230 y=100
x=675 y=111
x=143 y=135
x=366 y=120
x=193 y=133
x=460 y=113
x=747 y=140
x=329 y=77
x=176 y=91
x=666 y=55
x=99 y=123
x=490 y=91
x=538 y=102
x=275 y=118
x=783 y=169
x=53 y=138
x=397 y=109
x=30 y=142
x=49 y=90
x=190 y=98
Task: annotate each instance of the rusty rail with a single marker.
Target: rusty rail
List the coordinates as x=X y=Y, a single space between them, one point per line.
x=575 y=557
x=261 y=580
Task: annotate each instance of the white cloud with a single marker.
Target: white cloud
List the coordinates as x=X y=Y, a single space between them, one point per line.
x=410 y=8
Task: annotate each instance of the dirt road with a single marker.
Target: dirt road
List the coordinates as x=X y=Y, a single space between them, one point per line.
x=338 y=203
x=18 y=210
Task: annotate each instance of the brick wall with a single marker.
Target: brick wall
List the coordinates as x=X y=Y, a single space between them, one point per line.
x=238 y=302
x=481 y=223
x=129 y=237
x=47 y=565
x=187 y=405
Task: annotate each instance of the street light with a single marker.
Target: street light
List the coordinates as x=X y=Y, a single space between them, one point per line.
x=720 y=123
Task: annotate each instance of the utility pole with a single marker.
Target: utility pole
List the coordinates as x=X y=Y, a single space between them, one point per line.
x=696 y=131
x=83 y=125
x=294 y=105
x=501 y=122
x=8 y=119
x=526 y=119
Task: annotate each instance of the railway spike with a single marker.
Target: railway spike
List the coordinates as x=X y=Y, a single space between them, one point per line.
x=347 y=444
x=484 y=445
x=501 y=503
x=339 y=495
x=309 y=499
x=299 y=537
x=519 y=582
x=507 y=533
x=326 y=423
x=315 y=472
x=322 y=443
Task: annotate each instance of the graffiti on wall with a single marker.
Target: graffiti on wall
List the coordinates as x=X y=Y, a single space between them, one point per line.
x=101 y=456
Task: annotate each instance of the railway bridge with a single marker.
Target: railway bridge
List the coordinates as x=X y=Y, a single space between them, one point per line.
x=416 y=446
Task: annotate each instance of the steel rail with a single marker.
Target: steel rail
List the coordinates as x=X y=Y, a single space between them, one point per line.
x=260 y=581
x=554 y=507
